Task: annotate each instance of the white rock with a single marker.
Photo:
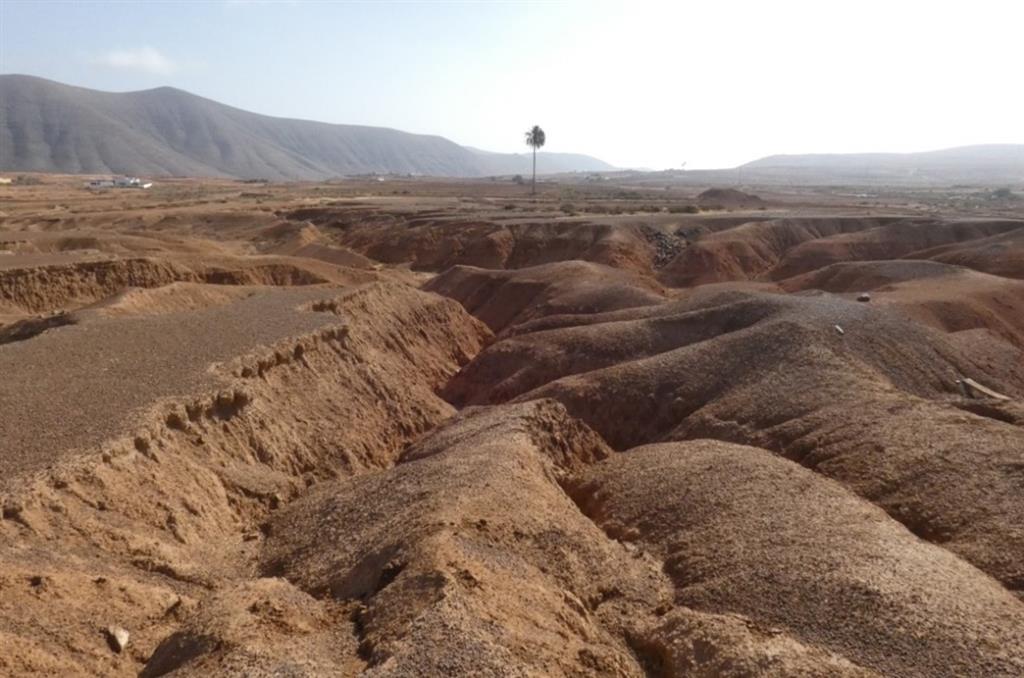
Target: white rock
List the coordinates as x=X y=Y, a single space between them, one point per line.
x=118 y=638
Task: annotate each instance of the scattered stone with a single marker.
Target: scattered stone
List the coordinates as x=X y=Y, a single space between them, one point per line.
x=864 y=296
x=666 y=246
x=117 y=638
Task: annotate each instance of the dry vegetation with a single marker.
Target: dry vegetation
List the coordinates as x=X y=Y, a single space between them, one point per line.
x=419 y=427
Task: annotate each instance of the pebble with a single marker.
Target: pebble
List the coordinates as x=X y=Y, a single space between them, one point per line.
x=118 y=638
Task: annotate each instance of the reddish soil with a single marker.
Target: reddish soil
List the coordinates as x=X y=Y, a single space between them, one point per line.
x=438 y=428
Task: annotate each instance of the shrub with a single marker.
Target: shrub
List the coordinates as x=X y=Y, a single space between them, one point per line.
x=684 y=209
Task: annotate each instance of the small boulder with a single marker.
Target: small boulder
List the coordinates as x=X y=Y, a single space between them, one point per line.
x=117 y=638
x=864 y=296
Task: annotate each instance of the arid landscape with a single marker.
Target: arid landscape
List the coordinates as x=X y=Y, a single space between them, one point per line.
x=630 y=426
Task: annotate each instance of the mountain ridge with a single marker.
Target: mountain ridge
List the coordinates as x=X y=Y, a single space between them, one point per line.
x=46 y=126
x=973 y=153
x=980 y=162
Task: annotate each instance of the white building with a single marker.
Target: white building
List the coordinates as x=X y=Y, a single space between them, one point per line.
x=119 y=182
x=131 y=182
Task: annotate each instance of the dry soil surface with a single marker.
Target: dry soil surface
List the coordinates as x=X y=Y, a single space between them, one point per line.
x=393 y=427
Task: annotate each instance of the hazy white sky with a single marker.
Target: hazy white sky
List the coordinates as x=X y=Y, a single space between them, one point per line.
x=639 y=84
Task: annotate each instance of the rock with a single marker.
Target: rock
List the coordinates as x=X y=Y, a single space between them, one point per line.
x=117 y=638
x=863 y=296
x=839 y=329
x=11 y=510
x=666 y=246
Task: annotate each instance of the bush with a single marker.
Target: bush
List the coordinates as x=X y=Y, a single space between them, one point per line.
x=684 y=209
x=518 y=179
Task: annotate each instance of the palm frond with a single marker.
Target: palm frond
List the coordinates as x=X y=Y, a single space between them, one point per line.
x=535 y=137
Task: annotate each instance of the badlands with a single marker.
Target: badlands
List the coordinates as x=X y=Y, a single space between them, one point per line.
x=423 y=427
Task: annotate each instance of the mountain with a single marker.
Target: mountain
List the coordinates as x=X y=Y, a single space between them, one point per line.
x=991 y=163
x=547 y=163
x=47 y=126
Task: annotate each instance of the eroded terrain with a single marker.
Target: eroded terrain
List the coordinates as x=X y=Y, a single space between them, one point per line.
x=415 y=427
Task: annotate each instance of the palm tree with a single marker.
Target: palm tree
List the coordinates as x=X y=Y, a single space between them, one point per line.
x=535 y=139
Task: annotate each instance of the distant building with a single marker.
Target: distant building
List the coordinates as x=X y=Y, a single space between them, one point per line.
x=119 y=182
x=131 y=182
x=5 y=180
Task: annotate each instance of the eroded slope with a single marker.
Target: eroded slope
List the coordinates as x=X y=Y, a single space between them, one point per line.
x=139 y=491
x=861 y=394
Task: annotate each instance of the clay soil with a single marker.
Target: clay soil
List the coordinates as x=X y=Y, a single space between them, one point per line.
x=421 y=427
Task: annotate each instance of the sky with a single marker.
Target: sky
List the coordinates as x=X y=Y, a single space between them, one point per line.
x=637 y=84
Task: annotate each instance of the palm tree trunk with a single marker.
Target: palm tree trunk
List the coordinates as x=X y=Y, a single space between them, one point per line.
x=533 y=189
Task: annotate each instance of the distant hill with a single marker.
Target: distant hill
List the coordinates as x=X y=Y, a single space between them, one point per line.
x=46 y=126
x=968 y=164
x=547 y=163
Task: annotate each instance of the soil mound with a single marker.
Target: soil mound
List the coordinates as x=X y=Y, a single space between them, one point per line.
x=778 y=249
x=751 y=249
x=503 y=299
x=295 y=239
x=444 y=579
x=861 y=394
x=950 y=298
x=728 y=198
x=901 y=239
x=851 y=277
x=741 y=531
x=1000 y=254
x=901 y=352
x=436 y=243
